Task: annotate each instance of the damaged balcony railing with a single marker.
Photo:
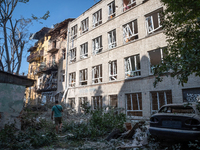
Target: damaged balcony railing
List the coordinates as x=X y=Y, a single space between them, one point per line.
x=35 y=56
x=51 y=66
x=53 y=47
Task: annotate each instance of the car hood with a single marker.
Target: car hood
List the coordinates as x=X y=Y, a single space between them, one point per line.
x=178 y=114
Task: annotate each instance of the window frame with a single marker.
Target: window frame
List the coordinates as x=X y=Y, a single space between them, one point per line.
x=99 y=74
x=85 y=25
x=130 y=34
x=111 y=10
x=99 y=102
x=112 y=66
x=81 y=74
x=72 y=79
x=84 y=50
x=74 y=31
x=72 y=55
x=110 y=100
x=72 y=103
x=112 y=42
x=97 y=41
x=131 y=4
x=97 y=18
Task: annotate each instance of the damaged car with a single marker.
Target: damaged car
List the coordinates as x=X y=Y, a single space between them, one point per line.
x=176 y=121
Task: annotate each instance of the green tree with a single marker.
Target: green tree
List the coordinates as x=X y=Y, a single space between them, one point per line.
x=181 y=25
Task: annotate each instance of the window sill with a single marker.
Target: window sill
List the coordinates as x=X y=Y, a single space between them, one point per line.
x=154 y=33
x=130 y=78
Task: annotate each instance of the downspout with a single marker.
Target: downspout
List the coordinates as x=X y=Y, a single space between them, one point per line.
x=66 y=70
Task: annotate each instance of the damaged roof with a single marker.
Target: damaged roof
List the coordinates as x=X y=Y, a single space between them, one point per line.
x=40 y=34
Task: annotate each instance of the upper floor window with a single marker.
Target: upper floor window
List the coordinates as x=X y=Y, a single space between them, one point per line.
x=132 y=66
x=84 y=51
x=155 y=57
x=83 y=77
x=85 y=25
x=97 y=74
x=97 y=45
x=63 y=54
x=130 y=31
x=112 y=39
x=74 y=32
x=128 y=4
x=113 y=70
x=97 y=18
x=111 y=10
x=72 y=55
x=153 y=22
x=72 y=79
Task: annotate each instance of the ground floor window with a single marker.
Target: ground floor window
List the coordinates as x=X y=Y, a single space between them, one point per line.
x=191 y=95
x=113 y=101
x=160 y=98
x=82 y=101
x=71 y=103
x=97 y=102
x=134 y=104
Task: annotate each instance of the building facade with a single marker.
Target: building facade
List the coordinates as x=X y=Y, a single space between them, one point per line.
x=113 y=47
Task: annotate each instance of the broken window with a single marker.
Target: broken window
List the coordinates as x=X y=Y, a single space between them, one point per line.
x=97 y=45
x=54 y=44
x=53 y=59
x=153 y=22
x=111 y=10
x=160 y=98
x=155 y=57
x=97 y=74
x=113 y=70
x=72 y=79
x=112 y=39
x=127 y=4
x=130 y=31
x=83 y=77
x=71 y=103
x=82 y=101
x=97 y=102
x=113 y=101
x=84 y=51
x=63 y=54
x=85 y=25
x=134 y=104
x=132 y=66
x=97 y=18
x=72 y=55
x=74 y=32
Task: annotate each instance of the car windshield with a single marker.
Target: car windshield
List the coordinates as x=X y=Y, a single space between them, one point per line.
x=177 y=109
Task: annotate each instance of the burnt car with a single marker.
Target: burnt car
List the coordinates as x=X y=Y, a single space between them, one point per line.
x=176 y=121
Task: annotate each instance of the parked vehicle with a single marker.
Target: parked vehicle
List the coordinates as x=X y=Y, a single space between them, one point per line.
x=176 y=121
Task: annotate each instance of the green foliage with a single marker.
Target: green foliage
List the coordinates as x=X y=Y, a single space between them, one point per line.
x=181 y=25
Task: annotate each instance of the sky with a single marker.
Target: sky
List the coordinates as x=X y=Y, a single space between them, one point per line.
x=59 y=11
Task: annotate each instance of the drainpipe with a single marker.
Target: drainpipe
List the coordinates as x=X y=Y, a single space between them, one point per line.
x=66 y=69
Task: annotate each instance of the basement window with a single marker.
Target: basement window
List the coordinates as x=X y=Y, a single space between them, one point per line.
x=72 y=55
x=134 y=104
x=71 y=103
x=132 y=66
x=111 y=10
x=160 y=98
x=130 y=31
x=83 y=77
x=112 y=39
x=74 y=32
x=153 y=23
x=113 y=101
x=113 y=70
x=72 y=79
x=97 y=74
x=155 y=57
x=84 y=51
x=97 y=18
x=97 y=102
x=127 y=4
x=97 y=45
x=85 y=25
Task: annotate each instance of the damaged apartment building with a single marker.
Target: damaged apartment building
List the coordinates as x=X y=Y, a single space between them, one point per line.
x=113 y=48
x=49 y=69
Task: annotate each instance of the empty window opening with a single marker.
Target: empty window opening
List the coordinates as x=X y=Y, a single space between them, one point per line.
x=74 y=32
x=113 y=101
x=160 y=98
x=97 y=45
x=83 y=101
x=113 y=70
x=132 y=66
x=64 y=54
x=72 y=79
x=83 y=77
x=53 y=59
x=97 y=102
x=130 y=31
x=153 y=22
x=155 y=57
x=63 y=77
x=84 y=51
x=71 y=103
x=72 y=55
x=85 y=25
x=54 y=44
x=112 y=39
x=111 y=10
x=97 y=74
x=127 y=4
x=97 y=18
x=134 y=104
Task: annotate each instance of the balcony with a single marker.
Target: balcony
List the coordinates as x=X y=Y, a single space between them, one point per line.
x=47 y=86
x=47 y=68
x=35 y=56
x=53 y=47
